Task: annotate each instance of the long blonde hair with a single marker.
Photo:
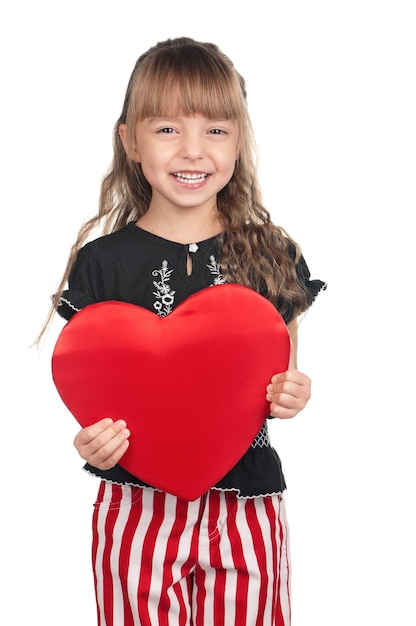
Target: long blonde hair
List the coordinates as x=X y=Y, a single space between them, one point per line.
x=198 y=78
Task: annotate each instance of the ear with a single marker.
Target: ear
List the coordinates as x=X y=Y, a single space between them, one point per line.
x=131 y=151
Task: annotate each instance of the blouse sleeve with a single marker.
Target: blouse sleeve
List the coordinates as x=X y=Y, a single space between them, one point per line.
x=80 y=292
x=312 y=287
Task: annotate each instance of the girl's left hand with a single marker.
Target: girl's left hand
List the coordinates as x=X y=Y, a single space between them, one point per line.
x=288 y=393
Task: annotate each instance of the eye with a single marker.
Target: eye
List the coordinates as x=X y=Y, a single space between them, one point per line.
x=166 y=131
x=217 y=131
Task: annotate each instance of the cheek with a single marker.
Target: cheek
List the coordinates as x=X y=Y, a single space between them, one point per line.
x=148 y=174
x=149 y=168
x=225 y=156
x=230 y=161
x=233 y=154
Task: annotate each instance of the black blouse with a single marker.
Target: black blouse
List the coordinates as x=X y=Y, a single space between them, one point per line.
x=135 y=266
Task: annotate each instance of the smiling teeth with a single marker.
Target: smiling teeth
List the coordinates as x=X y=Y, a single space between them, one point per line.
x=190 y=178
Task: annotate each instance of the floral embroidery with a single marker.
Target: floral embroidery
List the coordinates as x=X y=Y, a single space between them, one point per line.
x=164 y=293
x=215 y=269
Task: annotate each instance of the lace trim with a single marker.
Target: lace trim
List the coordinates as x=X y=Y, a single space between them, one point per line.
x=262 y=439
x=230 y=489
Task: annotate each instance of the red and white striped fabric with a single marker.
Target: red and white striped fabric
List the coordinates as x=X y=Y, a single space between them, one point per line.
x=217 y=561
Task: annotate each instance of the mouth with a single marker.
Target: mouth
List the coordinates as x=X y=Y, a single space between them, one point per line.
x=190 y=178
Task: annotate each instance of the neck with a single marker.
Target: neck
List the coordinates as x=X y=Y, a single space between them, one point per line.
x=183 y=227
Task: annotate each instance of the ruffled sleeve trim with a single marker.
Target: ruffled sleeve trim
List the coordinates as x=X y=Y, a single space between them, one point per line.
x=311 y=287
x=72 y=301
x=81 y=283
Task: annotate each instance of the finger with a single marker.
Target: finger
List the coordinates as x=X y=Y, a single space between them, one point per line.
x=105 y=428
x=288 y=393
x=286 y=406
x=107 y=440
x=108 y=456
x=87 y=434
x=288 y=401
x=105 y=450
x=281 y=412
x=291 y=375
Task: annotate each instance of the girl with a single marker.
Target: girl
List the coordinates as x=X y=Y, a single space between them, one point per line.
x=182 y=210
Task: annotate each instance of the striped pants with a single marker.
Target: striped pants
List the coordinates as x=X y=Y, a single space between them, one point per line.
x=162 y=561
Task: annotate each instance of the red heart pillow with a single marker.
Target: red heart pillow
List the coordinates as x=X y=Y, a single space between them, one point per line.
x=191 y=386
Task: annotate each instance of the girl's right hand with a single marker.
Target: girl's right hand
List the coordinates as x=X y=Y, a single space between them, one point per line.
x=103 y=444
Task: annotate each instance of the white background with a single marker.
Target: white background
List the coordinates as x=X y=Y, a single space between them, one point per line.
x=332 y=94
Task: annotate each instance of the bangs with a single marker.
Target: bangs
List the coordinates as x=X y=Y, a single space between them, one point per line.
x=189 y=80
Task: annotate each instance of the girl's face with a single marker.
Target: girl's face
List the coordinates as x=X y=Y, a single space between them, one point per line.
x=186 y=160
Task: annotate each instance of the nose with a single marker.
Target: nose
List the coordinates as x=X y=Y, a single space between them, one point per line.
x=192 y=146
